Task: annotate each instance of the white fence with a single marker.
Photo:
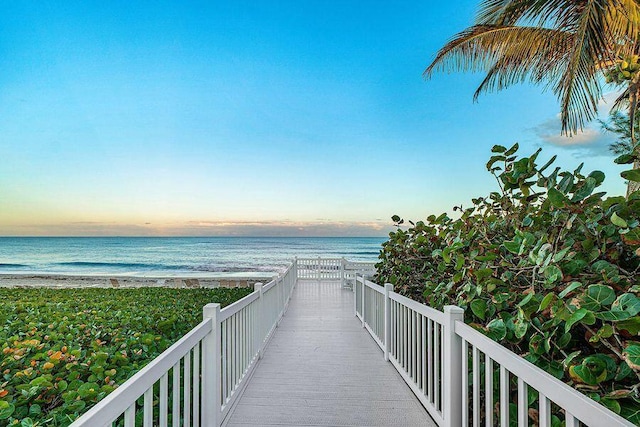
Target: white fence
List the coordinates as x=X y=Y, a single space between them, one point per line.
x=196 y=380
x=459 y=374
x=332 y=269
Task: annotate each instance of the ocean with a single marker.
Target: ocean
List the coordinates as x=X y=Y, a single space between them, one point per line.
x=173 y=256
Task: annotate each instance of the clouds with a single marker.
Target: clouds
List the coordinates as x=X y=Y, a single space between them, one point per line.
x=283 y=228
x=590 y=142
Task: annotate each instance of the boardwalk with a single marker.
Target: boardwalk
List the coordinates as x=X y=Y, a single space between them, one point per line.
x=322 y=369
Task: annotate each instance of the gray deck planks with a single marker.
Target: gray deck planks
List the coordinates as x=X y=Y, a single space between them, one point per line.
x=321 y=368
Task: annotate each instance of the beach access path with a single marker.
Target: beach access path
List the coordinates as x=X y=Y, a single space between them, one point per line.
x=321 y=368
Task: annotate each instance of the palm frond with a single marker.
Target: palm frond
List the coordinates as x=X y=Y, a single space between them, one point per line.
x=481 y=47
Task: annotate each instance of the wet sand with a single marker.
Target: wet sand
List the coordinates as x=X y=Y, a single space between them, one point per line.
x=68 y=281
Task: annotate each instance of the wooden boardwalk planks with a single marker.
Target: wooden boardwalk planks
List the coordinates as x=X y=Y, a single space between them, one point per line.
x=322 y=369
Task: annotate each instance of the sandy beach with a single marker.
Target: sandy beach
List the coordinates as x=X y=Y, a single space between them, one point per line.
x=70 y=281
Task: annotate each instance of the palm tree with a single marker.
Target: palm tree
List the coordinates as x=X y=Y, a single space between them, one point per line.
x=565 y=45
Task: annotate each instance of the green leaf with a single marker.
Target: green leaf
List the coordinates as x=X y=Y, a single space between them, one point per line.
x=575 y=317
x=632 y=356
x=631 y=325
x=625 y=159
x=521 y=328
x=628 y=303
x=597 y=296
x=613 y=315
x=585 y=190
x=27 y=422
x=512 y=150
x=479 y=308
x=556 y=198
x=512 y=246
x=496 y=330
x=552 y=274
x=631 y=175
x=6 y=409
x=572 y=287
x=583 y=374
x=498 y=149
x=616 y=220
x=598 y=176
x=483 y=273
x=546 y=301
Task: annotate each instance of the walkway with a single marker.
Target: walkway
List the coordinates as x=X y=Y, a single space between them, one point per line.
x=322 y=369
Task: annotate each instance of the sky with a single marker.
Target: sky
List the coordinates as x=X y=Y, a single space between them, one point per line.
x=251 y=118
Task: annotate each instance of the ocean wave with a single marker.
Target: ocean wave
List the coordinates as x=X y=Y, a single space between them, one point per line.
x=9 y=265
x=97 y=264
x=233 y=269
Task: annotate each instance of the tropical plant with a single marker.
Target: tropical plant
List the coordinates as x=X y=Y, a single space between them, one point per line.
x=547 y=266
x=567 y=45
x=619 y=125
x=62 y=350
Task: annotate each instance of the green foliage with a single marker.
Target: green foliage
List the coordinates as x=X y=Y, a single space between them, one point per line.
x=546 y=266
x=619 y=124
x=65 y=349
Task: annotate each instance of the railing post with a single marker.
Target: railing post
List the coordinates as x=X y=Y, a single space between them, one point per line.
x=342 y=262
x=295 y=268
x=362 y=307
x=388 y=288
x=211 y=404
x=452 y=369
x=355 y=295
x=318 y=272
x=257 y=287
x=279 y=310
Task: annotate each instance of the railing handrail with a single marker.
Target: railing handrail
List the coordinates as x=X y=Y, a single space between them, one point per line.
x=114 y=404
x=425 y=310
x=232 y=309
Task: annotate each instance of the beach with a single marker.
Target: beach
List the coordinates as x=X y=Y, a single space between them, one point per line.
x=74 y=281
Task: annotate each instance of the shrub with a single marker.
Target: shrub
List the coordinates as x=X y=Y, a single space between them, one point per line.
x=62 y=350
x=547 y=266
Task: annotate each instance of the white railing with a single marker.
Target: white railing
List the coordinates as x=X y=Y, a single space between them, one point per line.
x=451 y=367
x=196 y=380
x=332 y=269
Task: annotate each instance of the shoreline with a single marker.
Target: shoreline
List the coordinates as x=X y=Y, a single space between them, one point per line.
x=49 y=280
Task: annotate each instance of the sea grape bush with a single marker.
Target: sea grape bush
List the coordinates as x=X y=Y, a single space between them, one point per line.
x=547 y=266
x=62 y=350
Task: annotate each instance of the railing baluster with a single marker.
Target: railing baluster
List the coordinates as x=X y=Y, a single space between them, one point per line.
x=544 y=411
x=504 y=397
x=437 y=358
x=130 y=416
x=147 y=417
x=164 y=400
x=175 y=413
x=425 y=352
x=196 y=385
x=224 y=350
x=187 y=391
x=465 y=383
x=523 y=404
x=571 y=421
x=413 y=345
x=476 y=386
x=488 y=390
x=419 y=355
x=430 y=360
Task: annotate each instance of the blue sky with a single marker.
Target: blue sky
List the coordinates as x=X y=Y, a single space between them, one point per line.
x=267 y=118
